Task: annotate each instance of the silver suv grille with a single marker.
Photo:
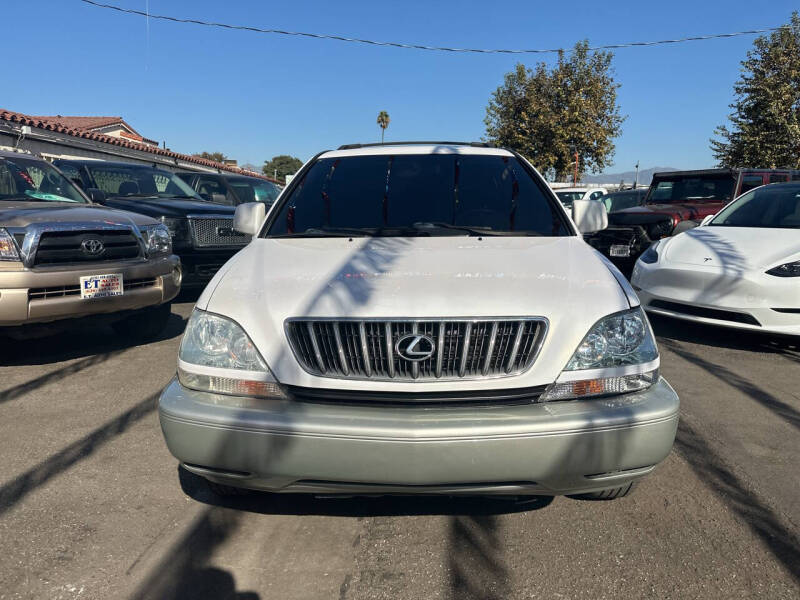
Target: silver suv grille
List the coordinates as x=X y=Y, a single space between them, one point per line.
x=215 y=231
x=463 y=348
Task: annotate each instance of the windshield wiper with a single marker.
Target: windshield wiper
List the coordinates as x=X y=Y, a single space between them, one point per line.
x=475 y=231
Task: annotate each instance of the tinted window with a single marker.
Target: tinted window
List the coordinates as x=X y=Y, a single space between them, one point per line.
x=135 y=180
x=251 y=189
x=751 y=181
x=696 y=188
x=622 y=200
x=411 y=190
x=35 y=180
x=772 y=206
x=778 y=177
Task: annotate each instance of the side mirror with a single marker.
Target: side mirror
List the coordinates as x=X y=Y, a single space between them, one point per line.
x=95 y=195
x=248 y=218
x=589 y=215
x=707 y=220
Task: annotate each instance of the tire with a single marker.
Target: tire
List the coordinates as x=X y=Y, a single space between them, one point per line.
x=609 y=494
x=226 y=490
x=145 y=324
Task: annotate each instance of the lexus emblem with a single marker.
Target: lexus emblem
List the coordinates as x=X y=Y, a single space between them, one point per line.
x=415 y=347
x=92 y=246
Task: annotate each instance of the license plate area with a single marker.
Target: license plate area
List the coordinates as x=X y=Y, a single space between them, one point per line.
x=101 y=286
x=620 y=250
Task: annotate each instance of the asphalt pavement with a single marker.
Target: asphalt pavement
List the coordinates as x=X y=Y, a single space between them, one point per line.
x=92 y=505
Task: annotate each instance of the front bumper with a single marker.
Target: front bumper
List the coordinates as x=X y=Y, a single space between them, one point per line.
x=548 y=448
x=23 y=299
x=739 y=299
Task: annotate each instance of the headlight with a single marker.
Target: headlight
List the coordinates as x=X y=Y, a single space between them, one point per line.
x=216 y=355
x=791 y=269
x=178 y=228
x=158 y=240
x=650 y=255
x=617 y=356
x=8 y=250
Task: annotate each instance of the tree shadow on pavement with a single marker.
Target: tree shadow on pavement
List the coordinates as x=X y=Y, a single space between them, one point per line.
x=185 y=574
x=266 y=503
x=783 y=544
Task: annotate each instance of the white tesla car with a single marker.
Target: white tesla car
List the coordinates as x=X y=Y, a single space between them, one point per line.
x=741 y=268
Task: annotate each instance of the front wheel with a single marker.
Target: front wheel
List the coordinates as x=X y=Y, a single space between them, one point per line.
x=145 y=324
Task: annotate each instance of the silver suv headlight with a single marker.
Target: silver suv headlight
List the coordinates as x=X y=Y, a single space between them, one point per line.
x=618 y=355
x=8 y=250
x=157 y=240
x=216 y=355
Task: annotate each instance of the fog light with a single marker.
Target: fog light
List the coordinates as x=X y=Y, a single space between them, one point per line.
x=177 y=276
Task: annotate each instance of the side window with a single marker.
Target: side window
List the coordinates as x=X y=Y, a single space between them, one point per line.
x=778 y=177
x=71 y=171
x=207 y=187
x=749 y=182
x=595 y=195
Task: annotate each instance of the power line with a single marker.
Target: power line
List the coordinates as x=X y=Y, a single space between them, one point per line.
x=322 y=36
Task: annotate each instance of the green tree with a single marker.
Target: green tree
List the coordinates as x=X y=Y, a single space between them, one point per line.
x=383 y=122
x=281 y=166
x=216 y=156
x=548 y=114
x=765 y=122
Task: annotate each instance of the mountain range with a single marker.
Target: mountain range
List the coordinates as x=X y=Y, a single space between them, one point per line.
x=645 y=176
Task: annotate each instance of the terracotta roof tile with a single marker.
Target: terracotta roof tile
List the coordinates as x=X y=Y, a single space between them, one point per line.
x=58 y=125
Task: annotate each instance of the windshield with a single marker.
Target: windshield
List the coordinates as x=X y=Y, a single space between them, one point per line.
x=417 y=194
x=136 y=180
x=569 y=197
x=776 y=205
x=35 y=180
x=709 y=188
x=250 y=189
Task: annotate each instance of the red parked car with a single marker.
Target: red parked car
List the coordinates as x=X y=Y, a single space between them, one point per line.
x=675 y=202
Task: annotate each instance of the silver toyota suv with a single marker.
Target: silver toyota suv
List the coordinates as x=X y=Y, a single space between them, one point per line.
x=61 y=256
x=419 y=318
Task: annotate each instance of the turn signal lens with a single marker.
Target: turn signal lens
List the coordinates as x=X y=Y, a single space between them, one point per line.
x=8 y=251
x=230 y=386
x=586 y=388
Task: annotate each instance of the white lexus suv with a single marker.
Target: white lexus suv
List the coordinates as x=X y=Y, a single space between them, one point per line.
x=419 y=318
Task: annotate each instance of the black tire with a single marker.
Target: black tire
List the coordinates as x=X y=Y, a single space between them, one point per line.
x=226 y=490
x=145 y=324
x=609 y=494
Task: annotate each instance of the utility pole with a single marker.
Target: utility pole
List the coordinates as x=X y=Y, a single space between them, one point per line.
x=275 y=174
x=575 y=176
x=636 y=181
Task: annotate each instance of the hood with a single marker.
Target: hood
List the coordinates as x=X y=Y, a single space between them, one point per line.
x=22 y=214
x=650 y=213
x=733 y=247
x=169 y=207
x=271 y=280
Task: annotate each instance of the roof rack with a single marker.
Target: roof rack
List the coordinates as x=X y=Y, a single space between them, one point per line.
x=370 y=145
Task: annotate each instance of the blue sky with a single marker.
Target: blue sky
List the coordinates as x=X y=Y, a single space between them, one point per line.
x=252 y=96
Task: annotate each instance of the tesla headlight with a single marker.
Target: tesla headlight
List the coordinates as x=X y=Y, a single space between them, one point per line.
x=791 y=269
x=650 y=255
x=617 y=356
x=216 y=355
x=8 y=250
x=157 y=239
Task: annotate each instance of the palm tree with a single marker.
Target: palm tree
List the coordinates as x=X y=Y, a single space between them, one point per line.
x=383 y=122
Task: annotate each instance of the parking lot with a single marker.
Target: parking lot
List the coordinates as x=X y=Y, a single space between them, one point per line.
x=93 y=506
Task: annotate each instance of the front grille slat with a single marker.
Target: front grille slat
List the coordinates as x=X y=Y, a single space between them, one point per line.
x=62 y=247
x=463 y=348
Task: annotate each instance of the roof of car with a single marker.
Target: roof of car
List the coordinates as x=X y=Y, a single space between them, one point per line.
x=110 y=163
x=12 y=154
x=416 y=148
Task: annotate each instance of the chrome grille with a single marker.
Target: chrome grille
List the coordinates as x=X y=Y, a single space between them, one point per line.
x=463 y=348
x=57 y=247
x=215 y=231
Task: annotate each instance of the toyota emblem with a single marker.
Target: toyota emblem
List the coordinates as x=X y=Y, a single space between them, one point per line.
x=92 y=246
x=415 y=347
